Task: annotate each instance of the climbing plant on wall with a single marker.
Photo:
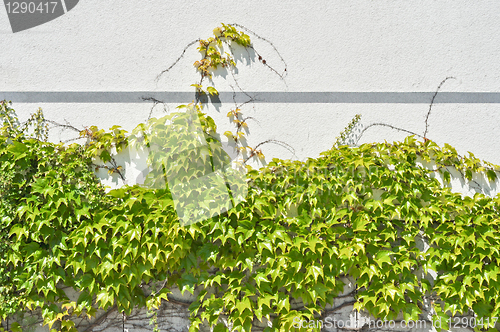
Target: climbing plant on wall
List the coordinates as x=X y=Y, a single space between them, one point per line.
x=281 y=252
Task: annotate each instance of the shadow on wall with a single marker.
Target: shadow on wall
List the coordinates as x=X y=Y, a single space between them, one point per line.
x=203 y=174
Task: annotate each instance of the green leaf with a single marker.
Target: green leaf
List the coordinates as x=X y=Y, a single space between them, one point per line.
x=360 y=223
x=220 y=328
x=243 y=304
x=382 y=257
x=15 y=327
x=315 y=271
x=19 y=231
x=187 y=283
x=212 y=91
x=492 y=175
x=85 y=299
x=482 y=309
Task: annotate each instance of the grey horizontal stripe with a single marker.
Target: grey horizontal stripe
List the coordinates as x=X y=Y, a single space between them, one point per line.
x=258 y=97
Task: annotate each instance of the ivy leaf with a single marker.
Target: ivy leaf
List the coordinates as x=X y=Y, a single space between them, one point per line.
x=19 y=231
x=243 y=304
x=360 y=223
x=187 y=283
x=316 y=272
x=492 y=175
x=382 y=257
x=220 y=328
x=482 y=309
x=212 y=91
x=15 y=327
x=84 y=299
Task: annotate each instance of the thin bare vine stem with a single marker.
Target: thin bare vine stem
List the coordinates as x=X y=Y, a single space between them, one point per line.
x=178 y=59
x=282 y=75
x=432 y=103
x=389 y=126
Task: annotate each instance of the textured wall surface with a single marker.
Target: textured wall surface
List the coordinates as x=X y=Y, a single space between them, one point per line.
x=346 y=47
x=341 y=46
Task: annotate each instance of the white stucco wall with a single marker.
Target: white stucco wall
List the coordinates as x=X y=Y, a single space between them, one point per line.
x=339 y=46
x=329 y=46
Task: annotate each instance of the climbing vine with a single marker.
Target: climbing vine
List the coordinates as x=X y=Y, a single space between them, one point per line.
x=280 y=251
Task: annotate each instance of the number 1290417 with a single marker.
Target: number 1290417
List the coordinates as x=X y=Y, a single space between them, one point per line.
x=471 y=322
x=16 y=7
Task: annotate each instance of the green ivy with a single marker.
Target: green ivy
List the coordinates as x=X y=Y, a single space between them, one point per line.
x=303 y=227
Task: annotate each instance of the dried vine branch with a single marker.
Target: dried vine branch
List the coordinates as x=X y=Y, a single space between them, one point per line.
x=432 y=103
x=282 y=75
x=178 y=59
x=155 y=102
x=255 y=151
x=100 y=319
x=386 y=125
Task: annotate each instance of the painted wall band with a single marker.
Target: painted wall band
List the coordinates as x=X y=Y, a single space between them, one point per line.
x=258 y=97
